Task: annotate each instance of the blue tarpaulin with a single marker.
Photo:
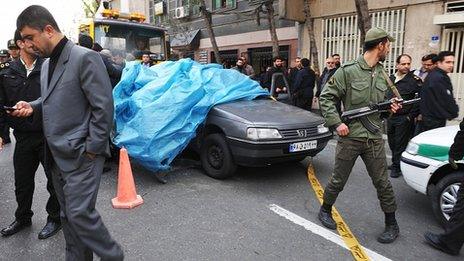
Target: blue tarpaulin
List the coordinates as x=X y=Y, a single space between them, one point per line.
x=158 y=109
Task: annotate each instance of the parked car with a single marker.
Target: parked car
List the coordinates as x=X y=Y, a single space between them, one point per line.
x=425 y=168
x=257 y=133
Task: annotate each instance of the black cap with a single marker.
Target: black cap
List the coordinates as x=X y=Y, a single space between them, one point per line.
x=12 y=44
x=4 y=53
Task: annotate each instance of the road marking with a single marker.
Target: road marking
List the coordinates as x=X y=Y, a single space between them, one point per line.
x=321 y=231
x=343 y=229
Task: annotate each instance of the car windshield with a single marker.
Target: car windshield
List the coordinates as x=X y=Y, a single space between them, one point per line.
x=130 y=39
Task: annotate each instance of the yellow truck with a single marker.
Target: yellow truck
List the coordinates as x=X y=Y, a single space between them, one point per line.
x=126 y=34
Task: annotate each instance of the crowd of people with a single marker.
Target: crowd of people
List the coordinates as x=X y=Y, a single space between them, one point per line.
x=430 y=82
x=359 y=83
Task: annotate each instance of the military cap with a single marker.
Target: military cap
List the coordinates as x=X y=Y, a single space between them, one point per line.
x=377 y=33
x=12 y=44
x=4 y=53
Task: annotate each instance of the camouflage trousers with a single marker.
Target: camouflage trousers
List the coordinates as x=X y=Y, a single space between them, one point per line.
x=372 y=152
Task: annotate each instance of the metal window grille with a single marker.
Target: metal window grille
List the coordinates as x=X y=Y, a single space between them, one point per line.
x=456 y=6
x=341 y=35
x=453 y=40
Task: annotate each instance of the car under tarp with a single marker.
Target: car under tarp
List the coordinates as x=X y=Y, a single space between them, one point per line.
x=158 y=109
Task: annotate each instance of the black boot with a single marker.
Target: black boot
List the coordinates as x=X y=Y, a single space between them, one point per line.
x=395 y=173
x=391 y=232
x=326 y=219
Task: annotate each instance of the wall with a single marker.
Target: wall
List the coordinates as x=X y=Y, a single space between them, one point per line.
x=419 y=26
x=419 y=29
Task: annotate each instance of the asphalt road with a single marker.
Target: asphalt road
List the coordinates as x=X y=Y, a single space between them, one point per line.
x=194 y=217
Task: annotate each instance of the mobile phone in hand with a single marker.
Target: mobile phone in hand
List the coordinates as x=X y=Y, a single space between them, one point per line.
x=8 y=108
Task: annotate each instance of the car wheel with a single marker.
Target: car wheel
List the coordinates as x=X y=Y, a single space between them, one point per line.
x=216 y=157
x=444 y=196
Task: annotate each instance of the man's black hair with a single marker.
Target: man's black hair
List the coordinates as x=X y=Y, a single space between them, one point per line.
x=305 y=62
x=85 y=41
x=36 y=17
x=402 y=55
x=431 y=56
x=335 y=54
x=371 y=45
x=277 y=58
x=441 y=55
x=17 y=36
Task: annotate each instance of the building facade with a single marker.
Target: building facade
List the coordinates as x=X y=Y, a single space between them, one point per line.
x=235 y=26
x=419 y=26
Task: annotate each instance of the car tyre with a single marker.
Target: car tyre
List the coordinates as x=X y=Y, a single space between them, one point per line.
x=216 y=158
x=446 y=186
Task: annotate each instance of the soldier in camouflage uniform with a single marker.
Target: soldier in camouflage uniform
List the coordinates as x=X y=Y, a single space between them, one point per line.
x=357 y=84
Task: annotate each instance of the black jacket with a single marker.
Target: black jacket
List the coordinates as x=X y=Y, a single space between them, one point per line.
x=325 y=77
x=304 y=82
x=408 y=87
x=279 y=81
x=114 y=72
x=437 y=100
x=16 y=86
x=457 y=148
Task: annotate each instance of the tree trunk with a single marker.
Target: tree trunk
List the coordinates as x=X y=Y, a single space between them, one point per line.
x=312 y=38
x=272 y=27
x=364 y=19
x=206 y=15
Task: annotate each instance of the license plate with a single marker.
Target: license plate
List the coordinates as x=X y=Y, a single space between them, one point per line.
x=301 y=146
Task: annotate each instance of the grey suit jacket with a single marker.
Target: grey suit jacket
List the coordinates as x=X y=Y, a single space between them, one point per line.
x=77 y=107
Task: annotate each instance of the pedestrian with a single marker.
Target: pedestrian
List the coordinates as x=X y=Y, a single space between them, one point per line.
x=437 y=100
x=452 y=239
x=294 y=70
x=248 y=68
x=20 y=81
x=4 y=56
x=13 y=50
x=303 y=86
x=239 y=66
x=327 y=73
x=337 y=59
x=4 y=63
x=357 y=84
x=281 y=81
x=113 y=72
x=428 y=63
x=77 y=108
x=400 y=125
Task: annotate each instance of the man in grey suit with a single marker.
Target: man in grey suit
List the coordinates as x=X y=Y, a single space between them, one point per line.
x=77 y=108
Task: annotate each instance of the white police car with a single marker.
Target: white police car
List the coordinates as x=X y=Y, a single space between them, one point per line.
x=425 y=168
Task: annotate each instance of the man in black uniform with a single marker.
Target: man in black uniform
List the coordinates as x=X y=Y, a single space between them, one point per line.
x=13 y=50
x=21 y=82
x=400 y=125
x=4 y=63
x=437 y=100
x=452 y=240
x=4 y=56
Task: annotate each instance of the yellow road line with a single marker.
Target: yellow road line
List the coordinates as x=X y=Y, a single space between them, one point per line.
x=343 y=230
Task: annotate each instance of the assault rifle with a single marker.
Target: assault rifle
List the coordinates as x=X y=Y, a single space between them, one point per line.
x=361 y=113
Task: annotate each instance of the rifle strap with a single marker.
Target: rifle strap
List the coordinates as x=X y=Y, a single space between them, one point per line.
x=391 y=85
